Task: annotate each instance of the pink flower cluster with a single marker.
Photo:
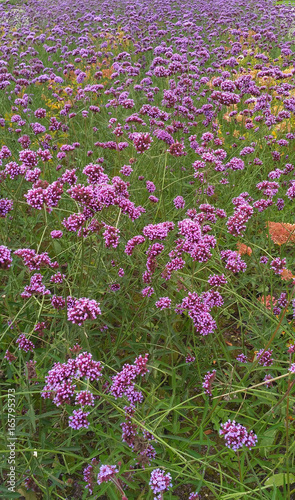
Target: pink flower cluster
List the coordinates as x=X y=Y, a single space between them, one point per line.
x=131 y=436
x=237 y=223
x=195 y=243
x=163 y=303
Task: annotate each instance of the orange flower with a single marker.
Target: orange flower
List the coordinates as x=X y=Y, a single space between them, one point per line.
x=267 y=301
x=281 y=232
x=286 y=275
x=243 y=249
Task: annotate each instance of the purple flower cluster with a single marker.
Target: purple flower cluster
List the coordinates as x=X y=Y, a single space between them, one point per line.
x=163 y=303
x=179 y=202
x=80 y=310
x=36 y=287
x=24 y=343
x=236 y=436
x=60 y=386
x=6 y=206
x=131 y=244
x=5 y=257
x=123 y=382
x=79 y=420
x=264 y=357
x=106 y=473
x=33 y=260
x=158 y=231
x=208 y=380
x=198 y=308
x=233 y=261
x=111 y=236
x=160 y=482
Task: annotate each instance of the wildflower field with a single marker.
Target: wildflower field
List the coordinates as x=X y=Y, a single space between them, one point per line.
x=147 y=249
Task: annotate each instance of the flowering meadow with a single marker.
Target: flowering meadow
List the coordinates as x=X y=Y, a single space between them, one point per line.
x=147 y=249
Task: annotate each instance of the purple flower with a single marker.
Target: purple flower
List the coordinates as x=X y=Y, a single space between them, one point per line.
x=159 y=483
x=179 y=202
x=136 y=240
x=28 y=158
x=126 y=170
x=194 y=496
x=177 y=149
x=158 y=231
x=291 y=191
x=122 y=383
x=264 y=358
x=10 y=357
x=190 y=359
x=88 y=475
x=40 y=113
x=79 y=420
x=81 y=77
x=280 y=203
x=5 y=257
x=233 y=261
x=58 y=302
x=25 y=344
x=148 y=291
x=208 y=380
x=150 y=186
x=106 y=473
x=199 y=311
x=217 y=280
x=35 y=261
x=267 y=379
x=278 y=265
x=35 y=287
x=142 y=141
x=6 y=206
x=83 y=309
x=56 y=234
x=153 y=199
x=163 y=303
x=84 y=398
x=263 y=260
x=111 y=236
x=236 y=436
x=242 y=358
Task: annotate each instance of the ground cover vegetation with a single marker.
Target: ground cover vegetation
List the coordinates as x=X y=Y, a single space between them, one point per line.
x=147 y=248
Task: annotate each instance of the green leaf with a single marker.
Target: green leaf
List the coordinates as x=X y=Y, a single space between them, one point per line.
x=31 y=415
x=279 y=480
